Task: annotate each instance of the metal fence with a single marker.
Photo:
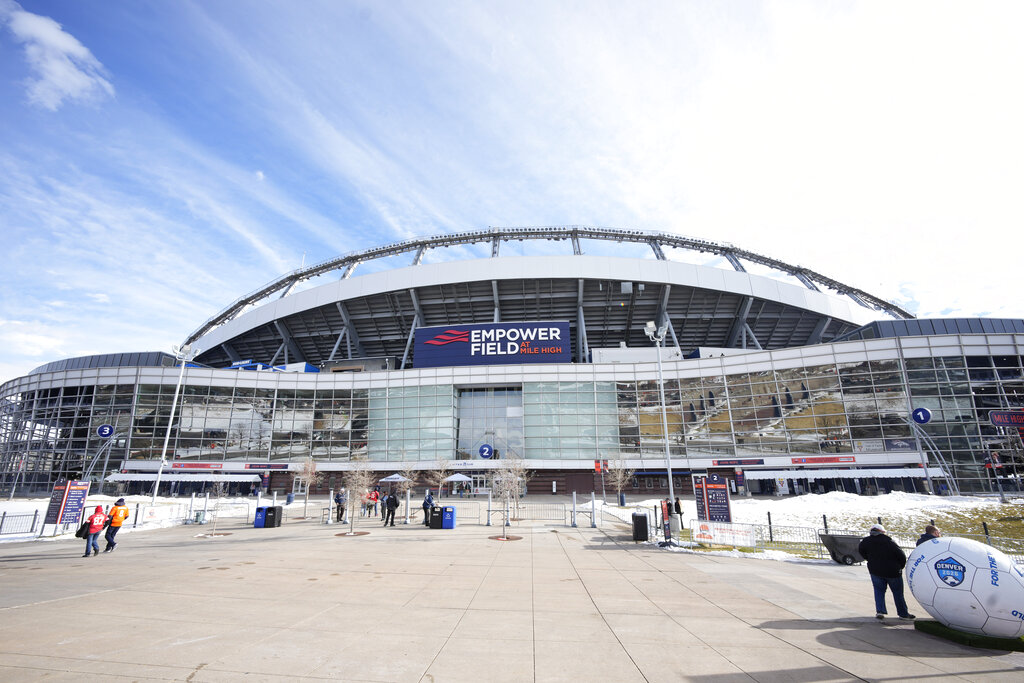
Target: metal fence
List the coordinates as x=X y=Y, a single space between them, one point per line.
x=22 y=523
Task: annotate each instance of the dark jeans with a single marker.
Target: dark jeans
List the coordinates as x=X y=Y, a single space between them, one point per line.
x=880 y=583
x=389 y=515
x=92 y=542
x=109 y=536
x=426 y=516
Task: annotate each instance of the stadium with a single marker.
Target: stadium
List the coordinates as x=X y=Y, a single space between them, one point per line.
x=607 y=345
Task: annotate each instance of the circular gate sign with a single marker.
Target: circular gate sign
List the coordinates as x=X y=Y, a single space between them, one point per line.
x=922 y=415
x=105 y=431
x=486 y=451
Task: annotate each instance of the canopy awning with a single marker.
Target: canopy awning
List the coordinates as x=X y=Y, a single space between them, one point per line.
x=874 y=473
x=459 y=477
x=395 y=477
x=174 y=476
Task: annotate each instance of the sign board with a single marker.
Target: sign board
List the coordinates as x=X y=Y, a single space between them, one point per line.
x=665 y=521
x=737 y=463
x=492 y=344
x=105 y=431
x=712 y=494
x=1006 y=418
x=828 y=460
x=721 y=533
x=486 y=450
x=67 y=500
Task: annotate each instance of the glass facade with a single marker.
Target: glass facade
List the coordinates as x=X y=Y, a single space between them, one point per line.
x=845 y=403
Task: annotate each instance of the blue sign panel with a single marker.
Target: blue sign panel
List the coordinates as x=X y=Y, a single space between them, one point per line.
x=922 y=416
x=486 y=451
x=105 y=431
x=492 y=344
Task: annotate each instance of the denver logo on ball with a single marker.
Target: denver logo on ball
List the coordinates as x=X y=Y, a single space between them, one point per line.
x=950 y=571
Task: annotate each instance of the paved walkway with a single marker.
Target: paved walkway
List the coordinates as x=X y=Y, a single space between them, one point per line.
x=413 y=604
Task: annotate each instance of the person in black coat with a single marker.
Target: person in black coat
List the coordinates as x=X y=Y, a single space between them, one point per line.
x=886 y=561
x=931 y=531
x=390 y=505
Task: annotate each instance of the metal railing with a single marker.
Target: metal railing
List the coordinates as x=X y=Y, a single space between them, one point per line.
x=21 y=523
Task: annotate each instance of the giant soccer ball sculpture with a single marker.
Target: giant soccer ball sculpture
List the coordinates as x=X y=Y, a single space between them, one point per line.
x=968 y=586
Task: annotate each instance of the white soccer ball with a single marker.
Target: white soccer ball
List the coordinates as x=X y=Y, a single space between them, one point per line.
x=968 y=586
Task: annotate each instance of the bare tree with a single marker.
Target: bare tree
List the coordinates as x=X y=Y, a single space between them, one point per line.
x=310 y=477
x=508 y=482
x=436 y=476
x=403 y=487
x=619 y=474
x=358 y=481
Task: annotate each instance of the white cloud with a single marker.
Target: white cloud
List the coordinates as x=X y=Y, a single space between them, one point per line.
x=62 y=68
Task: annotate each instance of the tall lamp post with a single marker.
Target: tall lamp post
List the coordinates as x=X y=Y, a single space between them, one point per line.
x=184 y=353
x=657 y=335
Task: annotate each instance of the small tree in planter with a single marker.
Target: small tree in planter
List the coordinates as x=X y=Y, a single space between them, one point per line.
x=508 y=481
x=436 y=477
x=357 y=481
x=619 y=474
x=310 y=477
x=402 y=487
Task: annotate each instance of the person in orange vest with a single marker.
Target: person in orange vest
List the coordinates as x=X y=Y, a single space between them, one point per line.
x=118 y=515
x=96 y=522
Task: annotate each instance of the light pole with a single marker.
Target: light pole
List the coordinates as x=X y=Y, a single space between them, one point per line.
x=183 y=353
x=657 y=335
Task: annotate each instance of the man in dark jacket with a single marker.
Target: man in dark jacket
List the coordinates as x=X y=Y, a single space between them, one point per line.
x=390 y=504
x=885 y=565
x=931 y=531
x=428 y=502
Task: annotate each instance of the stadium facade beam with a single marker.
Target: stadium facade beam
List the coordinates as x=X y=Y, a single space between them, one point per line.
x=230 y=351
x=352 y=338
x=582 y=346
x=337 y=344
x=735 y=262
x=418 y=258
x=497 y=301
x=659 y=253
x=819 y=330
x=576 y=244
x=739 y=322
x=808 y=282
x=292 y=352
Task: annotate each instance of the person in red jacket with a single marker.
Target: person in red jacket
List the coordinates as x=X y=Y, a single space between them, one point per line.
x=96 y=522
x=118 y=514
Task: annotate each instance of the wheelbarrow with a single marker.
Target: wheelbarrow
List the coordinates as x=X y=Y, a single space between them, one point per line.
x=842 y=548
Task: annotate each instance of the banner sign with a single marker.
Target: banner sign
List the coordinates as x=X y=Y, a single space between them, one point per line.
x=815 y=461
x=721 y=533
x=266 y=465
x=900 y=445
x=1006 y=418
x=492 y=344
x=737 y=463
x=197 y=465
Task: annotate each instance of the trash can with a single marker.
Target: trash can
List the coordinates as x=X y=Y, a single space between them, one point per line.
x=260 y=520
x=435 y=517
x=842 y=548
x=201 y=517
x=448 y=517
x=639 y=526
x=274 y=514
x=622 y=500
x=289 y=499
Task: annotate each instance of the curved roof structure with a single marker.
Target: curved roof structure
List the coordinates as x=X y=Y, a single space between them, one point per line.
x=606 y=299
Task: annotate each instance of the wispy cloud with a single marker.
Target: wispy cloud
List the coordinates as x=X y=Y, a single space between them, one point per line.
x=62 y=68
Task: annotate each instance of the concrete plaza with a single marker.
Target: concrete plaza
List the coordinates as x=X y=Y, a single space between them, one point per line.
x=408 y=603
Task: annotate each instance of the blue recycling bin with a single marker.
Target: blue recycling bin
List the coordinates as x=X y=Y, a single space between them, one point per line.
x=448 y=517
x=260 y=521
x=289 y=499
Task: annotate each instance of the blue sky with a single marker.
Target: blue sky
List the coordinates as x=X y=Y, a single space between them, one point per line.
x=159 y=159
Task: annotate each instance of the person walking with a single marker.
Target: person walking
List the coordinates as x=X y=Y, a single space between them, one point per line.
x=886 y=561
x=931 y=531
x=392 y=504
x=372 y=504
x=118 y=515
x=96 y=522
x=339 y=501
x=428 y=502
